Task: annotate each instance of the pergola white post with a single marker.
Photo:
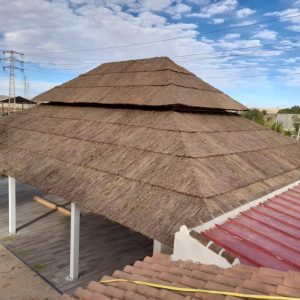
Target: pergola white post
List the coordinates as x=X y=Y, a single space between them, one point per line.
x=74 y=246
x=12 y=205
x=159 y=247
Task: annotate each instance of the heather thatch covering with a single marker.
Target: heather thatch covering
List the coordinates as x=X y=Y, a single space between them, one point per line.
x=151 y=82
x=149 y=170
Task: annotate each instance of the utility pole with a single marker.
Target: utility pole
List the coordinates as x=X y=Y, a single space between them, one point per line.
x=10 y=57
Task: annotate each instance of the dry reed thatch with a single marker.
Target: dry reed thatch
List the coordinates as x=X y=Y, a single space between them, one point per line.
x=149 y=170
x=152 y=82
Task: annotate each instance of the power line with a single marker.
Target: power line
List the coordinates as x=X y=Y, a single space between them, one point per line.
x=200 y=69
x=240 y=48
x=239 y=55
x=254 y=75
x=175 y=38
x=210 y=52
x=252 y=53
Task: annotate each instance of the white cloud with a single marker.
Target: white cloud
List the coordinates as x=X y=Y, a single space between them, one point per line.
x=155 y=5
x=40 y=27
x=178 y=10
x=296 y=3
x=294 y=28
x=150 y=19
x=290 y=15
x=217 y=21
x=232 y=36
x=244 y=12
x=266 y=34
x=217 y=8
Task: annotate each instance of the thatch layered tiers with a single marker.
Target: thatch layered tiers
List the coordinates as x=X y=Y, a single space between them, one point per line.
x=147 y=82
x=152 y=171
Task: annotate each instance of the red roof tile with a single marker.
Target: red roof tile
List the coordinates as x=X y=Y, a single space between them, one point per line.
x=267 y=235
x=239 y=279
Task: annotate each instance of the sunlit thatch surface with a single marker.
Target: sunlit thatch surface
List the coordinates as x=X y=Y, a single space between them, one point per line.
x=151 y=82
x=150 y=170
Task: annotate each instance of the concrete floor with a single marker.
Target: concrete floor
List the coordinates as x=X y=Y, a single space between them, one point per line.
x=18 y=281
x=43 y=239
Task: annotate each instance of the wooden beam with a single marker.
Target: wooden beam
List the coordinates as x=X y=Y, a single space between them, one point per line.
x=53 y=205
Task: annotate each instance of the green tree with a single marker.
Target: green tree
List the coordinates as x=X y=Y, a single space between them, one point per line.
x=277 y=127
x=256 y=115
x=292 y=110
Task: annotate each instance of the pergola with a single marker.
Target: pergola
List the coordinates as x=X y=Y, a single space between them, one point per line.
x=140 y=141
x=74 y=233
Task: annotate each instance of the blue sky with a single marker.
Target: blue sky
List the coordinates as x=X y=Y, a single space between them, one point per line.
x=257 y=65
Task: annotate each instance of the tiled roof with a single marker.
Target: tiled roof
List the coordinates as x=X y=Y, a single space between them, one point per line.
x=270 y=230
x=161 y=270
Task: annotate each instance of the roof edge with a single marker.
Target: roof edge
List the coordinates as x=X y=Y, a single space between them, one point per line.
x=223 y=218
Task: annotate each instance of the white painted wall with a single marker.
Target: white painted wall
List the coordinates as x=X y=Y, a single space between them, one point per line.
x=189 y=249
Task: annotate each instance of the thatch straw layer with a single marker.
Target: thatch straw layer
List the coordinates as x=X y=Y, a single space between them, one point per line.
x=149 y=170
x=150 y=82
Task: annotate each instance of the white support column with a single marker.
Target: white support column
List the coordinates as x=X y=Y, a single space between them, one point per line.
x=159 y=247
x=12 y=205
x=74 y=247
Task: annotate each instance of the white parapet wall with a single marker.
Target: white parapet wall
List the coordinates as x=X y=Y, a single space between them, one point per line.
x=189 y=249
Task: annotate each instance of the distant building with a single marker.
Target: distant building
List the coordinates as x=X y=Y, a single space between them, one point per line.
x=288 y=120
x=270 y=110
x=21 y=103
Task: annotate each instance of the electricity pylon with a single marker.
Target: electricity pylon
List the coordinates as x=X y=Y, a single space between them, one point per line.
x=12 y=66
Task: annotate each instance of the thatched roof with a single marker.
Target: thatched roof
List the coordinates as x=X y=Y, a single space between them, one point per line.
x=149 y=82
x=149 y=170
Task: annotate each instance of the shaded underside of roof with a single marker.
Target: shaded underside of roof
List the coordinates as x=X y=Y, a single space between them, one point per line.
x=270 y=230
x=152 y=171
x=161 y=270
x=148 y=82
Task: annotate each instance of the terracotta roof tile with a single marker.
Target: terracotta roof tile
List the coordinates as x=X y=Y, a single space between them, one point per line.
x=192 y=282
x=259 y=286
x=237 y=274
x=66 y=297
x=228 y=280
x=287 y=291
x=267 y=279
x=291 y=282
x=160 y=269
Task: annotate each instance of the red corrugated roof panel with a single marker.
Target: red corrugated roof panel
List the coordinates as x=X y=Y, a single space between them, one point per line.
x=267 y=235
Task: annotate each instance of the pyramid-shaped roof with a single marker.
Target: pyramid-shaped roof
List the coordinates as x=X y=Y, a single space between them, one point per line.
x=148 y=82
x=151 y=171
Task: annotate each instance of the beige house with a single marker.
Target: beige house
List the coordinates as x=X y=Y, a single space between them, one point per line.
x=21 y=104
